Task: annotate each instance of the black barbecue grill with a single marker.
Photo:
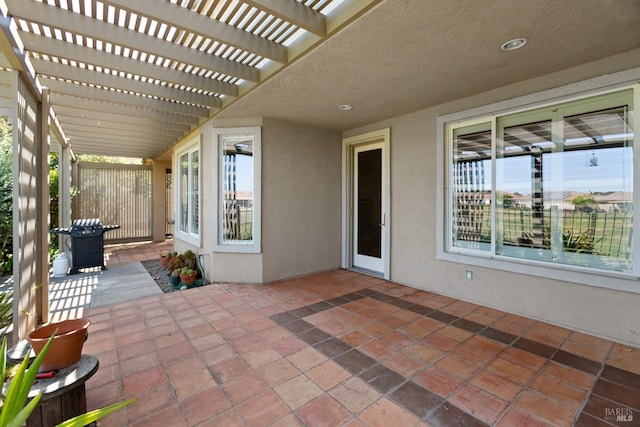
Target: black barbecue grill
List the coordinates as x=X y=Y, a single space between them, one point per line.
x=87 y=242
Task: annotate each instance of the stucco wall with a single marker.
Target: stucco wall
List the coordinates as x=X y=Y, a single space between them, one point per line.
x=300 y=200
x=596 y=310
x=300 y=205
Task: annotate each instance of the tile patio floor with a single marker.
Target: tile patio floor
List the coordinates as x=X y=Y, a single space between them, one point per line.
x=345 y=349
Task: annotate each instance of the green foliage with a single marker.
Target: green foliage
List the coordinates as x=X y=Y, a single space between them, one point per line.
x=584 y=203
x=16 y=410
x=578 y=242
x=94 y=158
x=6 y=196
x=6 y=309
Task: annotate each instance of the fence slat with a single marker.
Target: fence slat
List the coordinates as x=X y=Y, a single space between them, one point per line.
x=117 y=194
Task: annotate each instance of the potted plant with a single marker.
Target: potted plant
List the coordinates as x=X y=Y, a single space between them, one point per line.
x=165 y=258
x=188 y=275
x=15 y=405
x=174 y=277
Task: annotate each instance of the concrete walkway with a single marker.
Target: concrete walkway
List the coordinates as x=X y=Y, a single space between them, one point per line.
x=72 y=295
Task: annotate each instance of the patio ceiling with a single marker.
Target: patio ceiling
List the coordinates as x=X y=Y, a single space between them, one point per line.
x=134 y=77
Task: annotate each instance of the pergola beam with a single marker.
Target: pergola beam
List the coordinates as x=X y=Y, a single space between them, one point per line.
x=112 y=61
x=76 y=123
x=112 y=96
x=294 y=12
x=83 y=75
x=65 y=114
x=206 y=27
x=99 y=30
x=90 y=104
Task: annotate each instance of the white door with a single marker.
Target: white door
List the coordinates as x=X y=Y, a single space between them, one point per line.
x=369 y=207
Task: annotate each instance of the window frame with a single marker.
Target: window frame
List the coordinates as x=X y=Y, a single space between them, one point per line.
x=237 y=246
x=489 y=114
x=188 y=236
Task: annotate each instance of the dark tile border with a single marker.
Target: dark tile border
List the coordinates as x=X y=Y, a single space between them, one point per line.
x=427 y=405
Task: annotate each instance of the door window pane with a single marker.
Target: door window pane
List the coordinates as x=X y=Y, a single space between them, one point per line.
x=369 y=175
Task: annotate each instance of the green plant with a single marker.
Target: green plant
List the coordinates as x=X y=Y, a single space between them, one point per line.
x=187 y=271
x=176 y=262
x=176 y=272
x=16 y=410
x=6 y=309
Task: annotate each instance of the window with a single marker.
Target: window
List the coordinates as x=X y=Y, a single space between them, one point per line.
x=188 y=192
x=551 y=186
x=238 y=208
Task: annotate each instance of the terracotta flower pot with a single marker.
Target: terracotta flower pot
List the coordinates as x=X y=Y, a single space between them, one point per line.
x=66 y=347
x=164 y=261
x=188 y=279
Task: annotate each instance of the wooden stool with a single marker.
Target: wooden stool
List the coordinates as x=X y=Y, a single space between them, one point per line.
x=63 y=395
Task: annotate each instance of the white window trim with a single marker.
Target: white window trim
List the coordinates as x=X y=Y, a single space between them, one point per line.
x=219 y=245
x=188 y=237
x=582 y=275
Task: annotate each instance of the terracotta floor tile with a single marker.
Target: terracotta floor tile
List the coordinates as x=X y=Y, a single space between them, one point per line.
x=569 y=375
x=374 y=329
x=298 y=391
x=546 y=408
x=150 y=401
x=243 y=388
x=440 y=341
x=355 y=395
x=423 y=352
x=171 y=415
x=355 y=338
x=478 y=403
x=456 y=366
x=144 y=380
x=207 y=404
x=563 y=392
x=511 y=371
x=323 y=411
x=261 y=356
x=416 y=399
x=377 y=349
x=385 y=355
x=518 y=417
x=193 y=383
x=183 y=366
x=473 y=354
x=437 y=381
x=455 y=333
x=625 y=357
x=277 y=372
x=404 y=365
x=328 y=375
x=496 y=385
x=414 y=331
x=523 y=358
x=385 y=413
x=227 y=370
x=307 y=359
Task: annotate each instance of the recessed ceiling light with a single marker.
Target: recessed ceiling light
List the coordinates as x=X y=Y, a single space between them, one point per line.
x=514 y=44
x=345 y=107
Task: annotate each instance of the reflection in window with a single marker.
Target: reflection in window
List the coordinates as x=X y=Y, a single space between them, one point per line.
x=563 y=184
x=237 y=189
x=471 y=185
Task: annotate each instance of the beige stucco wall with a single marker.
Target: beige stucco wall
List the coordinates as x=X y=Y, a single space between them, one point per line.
x=604 y=312
x=301 y=169
x=300 y=205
